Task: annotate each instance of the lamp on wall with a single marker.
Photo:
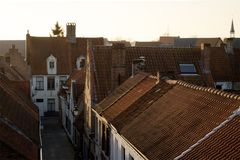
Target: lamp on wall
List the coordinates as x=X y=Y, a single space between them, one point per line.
x=75 y=111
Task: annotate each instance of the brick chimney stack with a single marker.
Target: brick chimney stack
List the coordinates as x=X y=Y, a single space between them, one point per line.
x=118 y=70
x=205 y=58
x=71 y=32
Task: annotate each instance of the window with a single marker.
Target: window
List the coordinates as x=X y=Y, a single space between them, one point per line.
x=39 y=100
x=62 y=80
x=51 y=83
x=123 y=153
x=51 y=105
x=187 y=69
x=219 y=86
x=39 y=83
x=51 y=65
x=82 y=63
x=130 y=157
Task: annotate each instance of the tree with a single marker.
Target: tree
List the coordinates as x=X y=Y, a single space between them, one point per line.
x=57 y=31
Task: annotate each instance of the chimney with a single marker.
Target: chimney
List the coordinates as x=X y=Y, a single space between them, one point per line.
x=229 y=45
x=205 y=61
x=118 y=70
x=71 y=32
x=138 y=65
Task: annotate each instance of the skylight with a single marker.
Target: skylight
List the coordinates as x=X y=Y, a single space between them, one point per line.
x=187 y=69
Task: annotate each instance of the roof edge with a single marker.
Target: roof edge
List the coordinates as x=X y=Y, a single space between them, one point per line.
x=209 y=90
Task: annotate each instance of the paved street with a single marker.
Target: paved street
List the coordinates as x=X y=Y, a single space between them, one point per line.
x=56 y=145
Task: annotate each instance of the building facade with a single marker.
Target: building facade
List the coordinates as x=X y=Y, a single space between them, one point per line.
x=52 y=60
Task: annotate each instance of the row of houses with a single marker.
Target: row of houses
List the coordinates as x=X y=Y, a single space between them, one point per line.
x=116 y=101
x=107 y=67
x=154 y=116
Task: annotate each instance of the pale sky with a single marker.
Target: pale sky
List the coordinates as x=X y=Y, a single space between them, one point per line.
x=121 y=19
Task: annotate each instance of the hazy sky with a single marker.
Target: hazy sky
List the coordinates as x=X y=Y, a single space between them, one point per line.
x=121 y=19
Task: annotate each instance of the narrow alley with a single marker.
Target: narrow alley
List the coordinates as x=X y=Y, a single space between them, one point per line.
x=56 y=145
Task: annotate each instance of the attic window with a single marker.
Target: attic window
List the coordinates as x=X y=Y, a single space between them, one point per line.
x=51 y=65
x=187 y=69
x=80 y=63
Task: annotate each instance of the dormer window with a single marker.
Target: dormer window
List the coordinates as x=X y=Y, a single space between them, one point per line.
x=188 y=68
x=80 y=63
x=52 y=65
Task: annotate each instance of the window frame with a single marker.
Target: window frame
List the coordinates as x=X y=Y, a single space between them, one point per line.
x=51 y=105
x=51 y=64
x=39 y=83
x=182 y=72
x=51 y=86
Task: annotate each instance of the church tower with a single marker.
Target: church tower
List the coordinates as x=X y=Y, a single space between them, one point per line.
x=232 y=31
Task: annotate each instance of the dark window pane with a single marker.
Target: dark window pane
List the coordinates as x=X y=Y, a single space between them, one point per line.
x=187 y=68
x=39 y=83
x=51 y=105
x=51 y=83
x=39 y=100
x=51 y=65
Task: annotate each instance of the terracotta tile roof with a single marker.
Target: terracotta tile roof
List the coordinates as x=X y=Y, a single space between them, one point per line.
x=22 y=87
x=19 y=120
x=177 y=120
x=39 y=48
x=223 y=144
x=120 y=91
x=8 y=153
x=15 y=139
x=163 y=60
x=10 y=72
x=220 y=64
x=78 y=76
x=196 y=42
x=111 y=112
x=148 y=44
x=224 y=66
x=169 y=117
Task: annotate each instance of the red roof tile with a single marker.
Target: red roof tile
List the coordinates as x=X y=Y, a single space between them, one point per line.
x=129 y=98
x=19 y=120
x=40 y=48
x=176 y=120
x=168 y=118
x=163 y=60
x=223 y=144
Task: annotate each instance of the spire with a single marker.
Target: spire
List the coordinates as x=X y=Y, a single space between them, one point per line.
x=232 y=31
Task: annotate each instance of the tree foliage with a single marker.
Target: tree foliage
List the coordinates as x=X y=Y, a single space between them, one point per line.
x=57 y=31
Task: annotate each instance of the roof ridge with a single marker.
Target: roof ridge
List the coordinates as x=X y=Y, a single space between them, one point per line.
x=214 y=130
x=209 y=90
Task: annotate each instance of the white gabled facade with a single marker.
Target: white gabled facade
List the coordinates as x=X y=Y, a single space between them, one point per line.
x=44 y=88
x=43 y=96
